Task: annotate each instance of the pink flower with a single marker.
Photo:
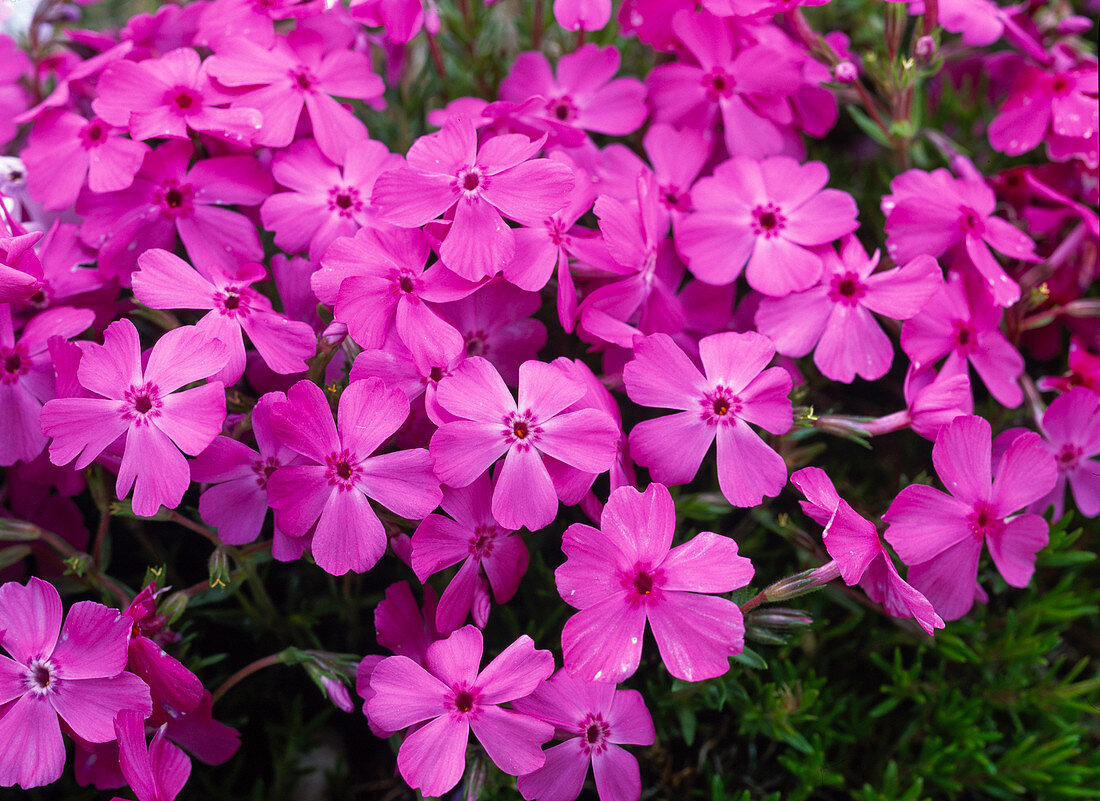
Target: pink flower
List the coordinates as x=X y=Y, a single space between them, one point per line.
x=165 y=281
x=1084 y=371
x=749 y=87
x=736 y=390
x=65 y=150
x=330 y=493
x=941 y=535
x=835 y=316
x=13 y=97
x=452 y=696
x=447 y=170
x=583 y=95
x=490 y=555
x=142 y=404
x=237 y=503
x=858 y=555
x=767 y=215
x=491 y=424
x=624 y=573
x=20 y=269
x=77 y=677
x=164 y=97
x=929 y=212
x=299 y=70
x=582 y=15
x=27 y=377
x=965 y=326
x=1071 y=425
x=155 y=773
x=167 y=197
x=595 y=720
x=402 y=19
x=326 y=201
x=1043 y=102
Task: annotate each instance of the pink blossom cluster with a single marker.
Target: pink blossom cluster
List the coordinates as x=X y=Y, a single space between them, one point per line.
x=589 y=294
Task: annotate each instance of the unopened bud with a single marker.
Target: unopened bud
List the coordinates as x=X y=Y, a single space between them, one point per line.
x=793 y=586
x=18 y=530
x=219 y=568
x=845 y=72
x=173 y=606
x=1073 y=25
x=925 y=48
x=13 y=554
x=780 y=618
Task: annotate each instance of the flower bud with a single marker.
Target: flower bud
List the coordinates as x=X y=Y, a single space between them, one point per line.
x=845 y=72
x=925 y=48
x=219 y=568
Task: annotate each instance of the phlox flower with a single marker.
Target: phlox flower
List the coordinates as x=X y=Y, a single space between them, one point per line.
x=834 y=318
x=237 y=502
x=156 y=772
x=383 y=286
x=931 y=401
x=930 y=212
x=735 y=391
x=64 y=150
x=764 y=216
x=27 y=378
x=450 y=697
x=206 y=739
x=490 y=555
x=326 y=200
x=301 y=69
x=624 y=574
x=1063 y=103
x=964 y=325
x=402 y=19
x=165 y=281
x=594 y=719
x=167 y=96
x=143 y=405
x=581 y=94
x=941 y=535
x=67 y=275
x=20 y=269
x=448 y=170
x=582 y=15
x=168 y=197
x=858 y=555
x=330 y=493
x=1084 y=371
x=749 y=87
x=490 y=423
x=74 y=673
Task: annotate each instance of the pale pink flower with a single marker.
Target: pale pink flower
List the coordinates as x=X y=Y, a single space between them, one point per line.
x=624 y=574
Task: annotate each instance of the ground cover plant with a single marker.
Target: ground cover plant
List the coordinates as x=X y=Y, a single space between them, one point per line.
x=650 y=399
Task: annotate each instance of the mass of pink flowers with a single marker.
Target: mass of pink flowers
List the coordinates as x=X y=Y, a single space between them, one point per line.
x=567 y=306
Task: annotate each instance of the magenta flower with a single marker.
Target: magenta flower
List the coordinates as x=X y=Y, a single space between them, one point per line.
x=582 y=95
x=623 y=574
x=452 y=696
x=164 y=97
x=582 y=15
x=65 y=150
x=402 y=19
x=447 y=170
x=155 y=773
x=27 y=377
x=326 y=200
x=332 y=494
x=20 y=269
x=1071 y=425
x=299 y=70
x=941 y=535
x=237 y=502
x=736 y=390
x=490 y=555
x=14 y=64
x=74 y=673
x=167 y=197
x=142 y=404
x=165 y=281
x=491 y=424
x=751 y=90
x=835 y=316
x=929 y=212
x=595 y=720
x=858 y=555
x=382 y=287
x=964 y=325
x=765 y=215
x=1043 y=102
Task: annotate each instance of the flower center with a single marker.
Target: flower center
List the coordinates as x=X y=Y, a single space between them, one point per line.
x=264 y=469
x=15 y=363
x=175 y=198
x=481 y=545
x=342 y=470
x=471 y=181
x=141 y=403
x=464 y=701
x=673 y=198
x=303 y=78
x=964 y=335
x=768 y=220
x=183 y=100
x=344 y=200
x=594 y=733
x=521 y=430
x=847 y=289
x=984 y=521
x=476 y=344
x=562 y=108
x=93 y=134
x=232 y=301
x=1068 y=457
x=641 y=583
x=970 y=221
x=720 y=407
x=41 y=677
x=1061 y=85
x=718 y=83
